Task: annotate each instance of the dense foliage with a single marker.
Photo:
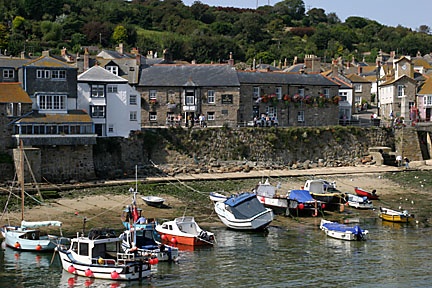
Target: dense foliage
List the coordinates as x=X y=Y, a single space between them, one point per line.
x=206 y=34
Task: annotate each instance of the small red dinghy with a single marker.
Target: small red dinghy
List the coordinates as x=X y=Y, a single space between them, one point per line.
x=370 y=195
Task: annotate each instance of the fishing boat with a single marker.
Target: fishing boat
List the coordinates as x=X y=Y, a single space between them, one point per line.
x=301 y=202
x=28 y=236
x=342 y=231
x=359 y=202
x=244 y=212
x=395 y=216
x=217 y=197
x=184 y=231
x=141 y=236
x=99 y=255
x=267 y=195
x=325 y=192
x=153 y=201
x=370 y=195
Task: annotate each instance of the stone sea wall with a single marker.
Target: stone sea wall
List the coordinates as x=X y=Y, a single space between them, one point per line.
x=218 y=150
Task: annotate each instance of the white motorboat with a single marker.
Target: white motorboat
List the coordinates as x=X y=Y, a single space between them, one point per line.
x=153 y=201
x=244 y=212
x=359 y=202
x=342 y=231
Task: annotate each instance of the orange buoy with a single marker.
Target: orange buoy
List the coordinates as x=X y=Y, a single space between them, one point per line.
x=115 y=275
x=89 y=273
x=38 y=247
x=173 y=240
x=71 y=269
x=17 y=245
x=155 y=261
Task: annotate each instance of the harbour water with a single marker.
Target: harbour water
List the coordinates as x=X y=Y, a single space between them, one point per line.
x=296 y=255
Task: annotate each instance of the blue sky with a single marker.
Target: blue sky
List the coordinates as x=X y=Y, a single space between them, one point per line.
x=386 y=12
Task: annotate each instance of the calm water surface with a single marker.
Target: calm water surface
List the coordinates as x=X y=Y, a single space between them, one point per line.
x=298 y=256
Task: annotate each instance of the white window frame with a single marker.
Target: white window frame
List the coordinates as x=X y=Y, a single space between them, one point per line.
x=153 y=94
x=301 y=92
x=211 y=99
x=357 y=88
x=153 y=116
x=401 y=90
x=110 y=128
x=278 y=92
x=97 y=91
x=112 y=69
x=271 y=111
x=211 y=116
x=52 y=102
x=427 y=100
x=326 y=92
x=133 y=116
x=343 y=95
x=189 y=97
x=8 y=73
x=58 y=74
x=133 y=99
x=256 y=92
x=112 y=88
x=300 y=117
x=98 y=111
x=43 y=74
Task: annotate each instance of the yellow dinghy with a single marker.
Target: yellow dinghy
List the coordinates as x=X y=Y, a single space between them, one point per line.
x=395 y=216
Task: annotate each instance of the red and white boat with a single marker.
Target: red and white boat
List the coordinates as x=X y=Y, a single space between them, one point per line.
x=370 y=195
x=184 y=231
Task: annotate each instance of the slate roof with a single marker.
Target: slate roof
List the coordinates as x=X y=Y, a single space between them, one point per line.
x=49 y=62
x=99 y=74
x=426 y=88
x=73 y=116
x=284 y=78
x=179 y=75
x=13 y=93
x=357 y=79
x=12 y=62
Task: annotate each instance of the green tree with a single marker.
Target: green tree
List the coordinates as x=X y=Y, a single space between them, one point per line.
x=4 y=37
x=120 y=34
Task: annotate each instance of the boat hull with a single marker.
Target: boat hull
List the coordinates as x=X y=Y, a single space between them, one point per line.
x=108 y=270
x=259 y=221
x=14 y=239
x=342 y=232
x=362 y=193
x=278 y=205
x=395 y=216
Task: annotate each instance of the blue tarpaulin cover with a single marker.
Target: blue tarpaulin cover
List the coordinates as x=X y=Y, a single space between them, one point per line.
x=301 y=196
x=341 y=227
x=238 y=199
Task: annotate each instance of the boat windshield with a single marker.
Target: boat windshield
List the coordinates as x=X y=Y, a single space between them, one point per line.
x=248 y=209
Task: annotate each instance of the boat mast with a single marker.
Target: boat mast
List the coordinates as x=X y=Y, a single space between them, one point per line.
x=21 y=168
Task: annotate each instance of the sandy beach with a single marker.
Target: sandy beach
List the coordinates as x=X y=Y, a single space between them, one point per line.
x=105 y=210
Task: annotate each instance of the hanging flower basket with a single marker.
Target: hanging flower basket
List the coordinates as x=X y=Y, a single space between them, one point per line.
x=336 y=99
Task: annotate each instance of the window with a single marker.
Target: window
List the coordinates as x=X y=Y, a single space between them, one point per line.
x=98 y=111
x=52 y=102
x=326 y=92
x=211 y=96
x=153 y=116
x=343 y=95
x=112 y=69
x=301 y=92
x=132 y=99
x=256 y=92
x=58 y=74
x=133 y=116
x=400 y=90
x=112 y=88
x=43 y=73
x=300 y=116
x=110 y=128
x=279 y=93
x=190 y=97
x=428 y=100
x=8 y=73
x=210 y=116
x=97 y=91
x=357 y=88
x=152 y=94
x=271 y=111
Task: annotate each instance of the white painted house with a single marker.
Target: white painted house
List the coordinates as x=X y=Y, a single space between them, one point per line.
x=113 y=105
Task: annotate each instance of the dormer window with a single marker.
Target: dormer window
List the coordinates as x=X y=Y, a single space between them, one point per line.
x=112 y=69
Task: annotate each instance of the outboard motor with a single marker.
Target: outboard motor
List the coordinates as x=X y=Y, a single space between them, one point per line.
x=358 y=232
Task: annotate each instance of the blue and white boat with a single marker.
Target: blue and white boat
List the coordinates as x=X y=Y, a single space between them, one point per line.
x=244 y=212
x=301 y=203
x=342 y=231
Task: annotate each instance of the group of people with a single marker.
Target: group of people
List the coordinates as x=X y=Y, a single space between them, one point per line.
x=400 y=161
x=265 y=121
x=190 y=122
